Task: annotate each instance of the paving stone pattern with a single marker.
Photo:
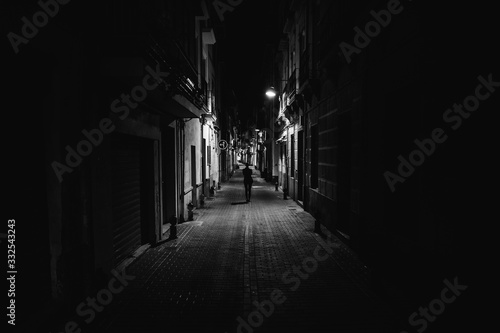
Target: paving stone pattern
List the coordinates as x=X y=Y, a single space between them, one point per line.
x=232 y=255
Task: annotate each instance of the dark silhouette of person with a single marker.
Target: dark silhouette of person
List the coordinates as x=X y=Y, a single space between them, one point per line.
x=247 y=180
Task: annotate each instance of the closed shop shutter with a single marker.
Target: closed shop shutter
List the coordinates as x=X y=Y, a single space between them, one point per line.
x=126 y=197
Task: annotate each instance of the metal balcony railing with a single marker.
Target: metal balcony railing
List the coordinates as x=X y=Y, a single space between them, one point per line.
x=183 y=78
x=204 y=90
x=291 y=87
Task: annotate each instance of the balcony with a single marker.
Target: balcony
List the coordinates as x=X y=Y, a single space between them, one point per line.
x=204 y=90
x=305 y=72
x=291 y=88
x=183 y=77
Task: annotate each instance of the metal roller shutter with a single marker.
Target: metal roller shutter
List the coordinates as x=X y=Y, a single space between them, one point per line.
x=126 y=197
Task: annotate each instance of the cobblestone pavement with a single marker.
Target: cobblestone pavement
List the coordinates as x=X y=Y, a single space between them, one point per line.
x=236 y=253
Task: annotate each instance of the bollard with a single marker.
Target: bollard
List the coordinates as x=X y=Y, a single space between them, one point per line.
x=173 y=228
x=190 y=207
x=285 y=193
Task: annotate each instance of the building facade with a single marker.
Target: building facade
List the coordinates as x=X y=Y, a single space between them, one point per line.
x=344 y=116
x=131 y=112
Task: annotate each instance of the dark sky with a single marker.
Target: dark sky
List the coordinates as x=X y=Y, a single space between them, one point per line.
x=249 y=28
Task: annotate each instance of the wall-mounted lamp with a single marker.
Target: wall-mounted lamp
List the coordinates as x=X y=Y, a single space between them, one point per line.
x=271 y=92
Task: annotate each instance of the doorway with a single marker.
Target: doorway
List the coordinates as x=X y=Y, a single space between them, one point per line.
x=193 y=175
x=300 y=167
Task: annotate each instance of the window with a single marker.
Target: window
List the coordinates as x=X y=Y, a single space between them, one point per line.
x=314 y=156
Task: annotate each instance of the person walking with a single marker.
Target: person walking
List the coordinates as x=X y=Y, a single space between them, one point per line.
x=247 y=181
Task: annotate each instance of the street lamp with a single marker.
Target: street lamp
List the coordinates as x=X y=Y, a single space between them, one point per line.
x=271 y=92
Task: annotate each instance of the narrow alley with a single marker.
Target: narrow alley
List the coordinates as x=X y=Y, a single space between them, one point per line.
x=367 y=126
x=236 y=253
